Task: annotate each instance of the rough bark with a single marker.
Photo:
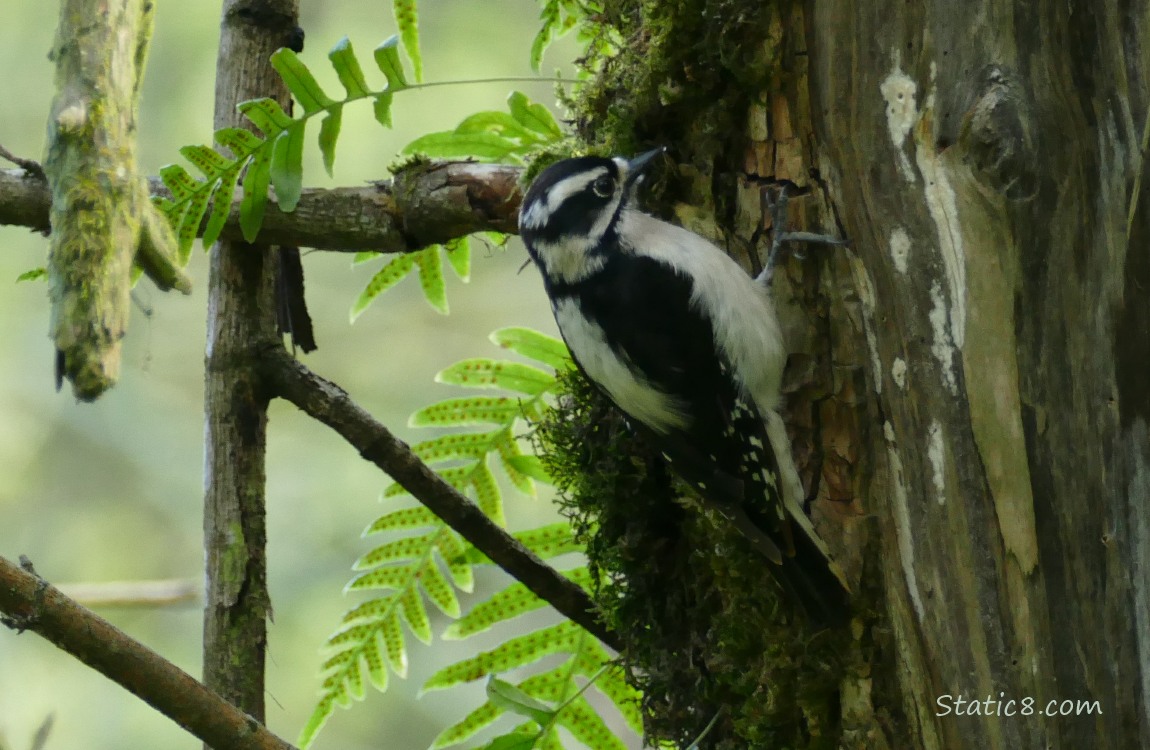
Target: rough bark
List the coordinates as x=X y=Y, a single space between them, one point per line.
x=425 y=204
x=986 y=159
x=241 y=318
x=100 y=214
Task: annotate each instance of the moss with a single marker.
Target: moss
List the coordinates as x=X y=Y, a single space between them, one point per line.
x=678 y=73
x=706 y=630
x=704 y=626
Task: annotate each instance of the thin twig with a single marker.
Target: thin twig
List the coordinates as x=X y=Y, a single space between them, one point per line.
x=28 y=165
x=328 y=403
x=31 y=603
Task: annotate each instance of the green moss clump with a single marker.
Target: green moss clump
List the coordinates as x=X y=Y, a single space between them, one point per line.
x=705 y=628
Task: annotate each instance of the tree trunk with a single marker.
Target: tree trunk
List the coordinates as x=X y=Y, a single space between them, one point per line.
x=986 y=160
x=241 y=319
x=966 y=390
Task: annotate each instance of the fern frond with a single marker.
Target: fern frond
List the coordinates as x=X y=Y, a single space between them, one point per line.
x=421 y=558
x=276 y=158
x=558 y=17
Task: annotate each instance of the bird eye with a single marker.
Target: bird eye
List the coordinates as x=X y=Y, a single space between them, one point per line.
x=603 y=187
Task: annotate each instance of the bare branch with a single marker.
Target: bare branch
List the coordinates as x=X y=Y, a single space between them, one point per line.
x=161 y=593
x=423 y=205
x=328 y=403
x=30 y=603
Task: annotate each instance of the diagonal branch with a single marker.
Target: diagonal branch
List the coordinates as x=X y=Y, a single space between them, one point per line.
x=31 y=603
x=424 y=204
x=328 y=403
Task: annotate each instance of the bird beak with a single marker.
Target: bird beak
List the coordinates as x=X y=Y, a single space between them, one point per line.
x=636 y=166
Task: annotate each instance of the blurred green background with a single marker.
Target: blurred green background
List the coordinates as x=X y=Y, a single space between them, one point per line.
x=112 y=490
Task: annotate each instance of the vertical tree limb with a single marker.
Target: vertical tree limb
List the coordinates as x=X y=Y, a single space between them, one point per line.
x=241 y=316
x=100 y=211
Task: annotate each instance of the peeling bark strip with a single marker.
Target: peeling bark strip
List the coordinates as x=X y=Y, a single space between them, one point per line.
x=30 y=603
x=241 y=318
x=99 y=211
x=1000 y=148
x=424 y=205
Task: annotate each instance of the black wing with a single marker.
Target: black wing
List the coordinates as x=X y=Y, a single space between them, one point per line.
x=645 y=309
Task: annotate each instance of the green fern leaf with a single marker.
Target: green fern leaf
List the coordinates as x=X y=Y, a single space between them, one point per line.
x=353 y=679
x=530 y=466
x=328 y=134
x=373 y=659
x=384 y=279
x=468 y=411
x=526 y=739
x=265 y=114
x=489 y=373
x=364 y=256
x=347 y=67
x=177 y=179
x=439 y=591
x=510 y=698
x=534 y=345
x=255 y=201
x=626 y=698
x=471 y=725
x=415 y=615
x=392 y=633
x=517 y=652
x=400 y=549
x=534 y=116
x=511 y=602
x=388 y=578
x=387 y=58
x=209 y=161
x=452 y=145
x=457 y=445
x=407 y=20
x=431 y=277
x=299 y=80
x=399 y=520
x=345 y=639
x=549 y=15
x=508 y=451
x=221 y=205
x=487 y=494
x=189 y=224
x=32 y=275
x=459 y=256
x=588 y=727
x=553 y=540
x=453 y=549
x=239 y=141
x=286 y=169
x=382 y=109
x=499 y=123
x=319 y=716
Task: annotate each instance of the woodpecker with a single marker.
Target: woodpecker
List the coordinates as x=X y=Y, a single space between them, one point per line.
x=688 y=347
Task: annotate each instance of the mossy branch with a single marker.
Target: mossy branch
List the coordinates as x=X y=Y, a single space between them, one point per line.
x=426 y=204
x=100 y=212
x=31 y=603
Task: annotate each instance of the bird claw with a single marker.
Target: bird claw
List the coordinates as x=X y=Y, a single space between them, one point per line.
x=776 y=196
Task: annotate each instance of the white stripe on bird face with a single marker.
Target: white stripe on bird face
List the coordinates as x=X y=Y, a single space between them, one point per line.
x=611 y=371
x=568 y=260
x=540 y=212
